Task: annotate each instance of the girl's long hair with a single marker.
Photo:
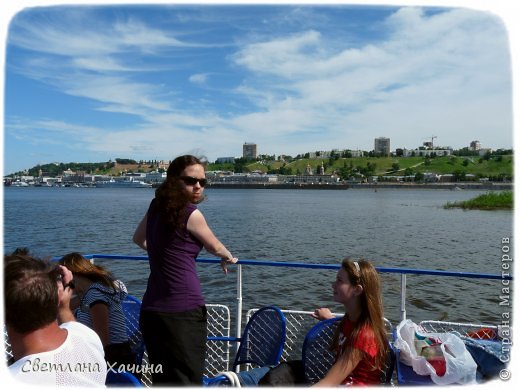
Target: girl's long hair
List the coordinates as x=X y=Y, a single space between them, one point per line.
x=371 y=304
x=82 y=266
x=170 y=197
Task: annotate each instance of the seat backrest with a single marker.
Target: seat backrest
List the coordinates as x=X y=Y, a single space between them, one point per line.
x=132 y=310
x=121 y=379
x=318 y=358
x=390 y=364
x=263 y=339
x=316 y=354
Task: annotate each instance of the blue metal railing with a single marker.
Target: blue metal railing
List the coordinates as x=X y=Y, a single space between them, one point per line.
x=402 y=271
x=290 y=264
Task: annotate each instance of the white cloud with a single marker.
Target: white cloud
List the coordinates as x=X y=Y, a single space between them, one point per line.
x=281 y=56
x=73 y=32
x=445 y=74
x=100 y=64
x=199 y=78
x=433 y=73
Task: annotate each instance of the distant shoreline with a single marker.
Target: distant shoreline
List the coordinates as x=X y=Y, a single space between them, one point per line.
x=374 y=186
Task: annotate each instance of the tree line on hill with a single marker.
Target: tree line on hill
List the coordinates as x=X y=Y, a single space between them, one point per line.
x=242 y=165
x=57 y=169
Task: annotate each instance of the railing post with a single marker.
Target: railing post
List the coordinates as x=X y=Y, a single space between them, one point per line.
x=239 y=301
x=403 y=297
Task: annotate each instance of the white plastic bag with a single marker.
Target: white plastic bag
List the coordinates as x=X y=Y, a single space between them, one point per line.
x=460 y=366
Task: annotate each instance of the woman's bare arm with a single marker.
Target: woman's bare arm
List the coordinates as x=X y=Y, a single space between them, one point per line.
x=140 y=233
x=198 y=226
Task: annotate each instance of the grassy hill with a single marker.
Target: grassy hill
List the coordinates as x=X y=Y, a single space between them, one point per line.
x=493 y=167
x=501 y=165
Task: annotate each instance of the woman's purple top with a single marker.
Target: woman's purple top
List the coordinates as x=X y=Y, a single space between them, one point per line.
x=173 y=284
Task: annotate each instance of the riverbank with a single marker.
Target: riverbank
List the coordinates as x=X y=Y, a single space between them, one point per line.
x=489 y=201
x=375 y=186
x=489 y=186
x=280 y=186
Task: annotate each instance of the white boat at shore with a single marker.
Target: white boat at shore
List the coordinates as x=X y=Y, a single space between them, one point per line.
x=19 y=183
x=125 y=182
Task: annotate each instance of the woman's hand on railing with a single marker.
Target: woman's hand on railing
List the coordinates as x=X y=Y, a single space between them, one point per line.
x=322 y=313
x=227 y=260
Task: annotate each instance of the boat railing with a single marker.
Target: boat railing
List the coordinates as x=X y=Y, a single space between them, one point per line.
x=402 y=272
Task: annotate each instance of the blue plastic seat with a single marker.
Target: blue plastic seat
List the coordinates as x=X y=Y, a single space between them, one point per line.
x=122 y=379
x=316 y=355
x=391 y=363
x=132 y=310
x=262 y=341
x=408 y=377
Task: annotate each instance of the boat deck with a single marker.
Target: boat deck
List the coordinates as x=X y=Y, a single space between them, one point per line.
x=223 y=323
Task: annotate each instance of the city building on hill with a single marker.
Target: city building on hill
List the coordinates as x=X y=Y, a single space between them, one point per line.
x=323 y=153
x=483 y=151
x=249 y=151
x=163 y=164
x=441 y=152
x=224 y=160
x=382 y=146
x=356 y=153
x=474 y=145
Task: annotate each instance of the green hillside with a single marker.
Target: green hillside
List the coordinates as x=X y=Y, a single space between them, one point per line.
x=498 y=166
x=495 y=167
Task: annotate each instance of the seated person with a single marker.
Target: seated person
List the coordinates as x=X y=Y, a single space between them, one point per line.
x=98 y=305
x=360 y=342
x=46 y=340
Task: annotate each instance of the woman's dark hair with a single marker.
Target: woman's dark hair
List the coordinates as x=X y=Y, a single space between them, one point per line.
x=170 y=197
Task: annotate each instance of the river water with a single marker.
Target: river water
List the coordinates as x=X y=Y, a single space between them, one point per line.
x=391 y=227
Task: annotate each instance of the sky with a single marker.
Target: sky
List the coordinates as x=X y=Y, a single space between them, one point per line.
x=94 y=82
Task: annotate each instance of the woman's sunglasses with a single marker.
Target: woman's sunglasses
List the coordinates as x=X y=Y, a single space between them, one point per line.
x=191 y=181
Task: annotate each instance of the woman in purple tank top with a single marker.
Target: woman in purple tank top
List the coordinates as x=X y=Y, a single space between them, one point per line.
x=173 y=313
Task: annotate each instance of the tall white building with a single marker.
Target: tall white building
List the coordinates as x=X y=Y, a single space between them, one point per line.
x=474 y=145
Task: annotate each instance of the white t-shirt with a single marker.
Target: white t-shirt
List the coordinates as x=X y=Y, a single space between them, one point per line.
x=79 y=361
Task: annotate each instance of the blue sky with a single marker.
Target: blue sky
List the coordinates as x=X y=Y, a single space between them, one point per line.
x=96 y=82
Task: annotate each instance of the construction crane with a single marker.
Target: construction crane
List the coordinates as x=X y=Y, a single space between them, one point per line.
x=431 y=142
